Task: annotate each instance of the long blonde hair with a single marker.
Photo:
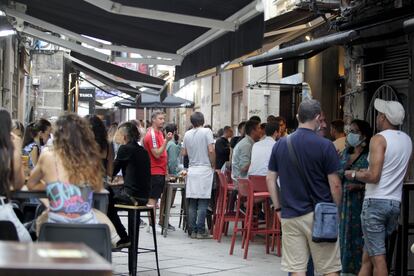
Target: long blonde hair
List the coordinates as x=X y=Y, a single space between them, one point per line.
x=74 y=142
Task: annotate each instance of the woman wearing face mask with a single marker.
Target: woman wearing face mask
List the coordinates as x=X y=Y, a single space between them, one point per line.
x=354 y=157
x=35 y=137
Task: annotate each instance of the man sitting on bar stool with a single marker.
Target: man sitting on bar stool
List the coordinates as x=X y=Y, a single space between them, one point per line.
x=389 y=154
x=134 y=162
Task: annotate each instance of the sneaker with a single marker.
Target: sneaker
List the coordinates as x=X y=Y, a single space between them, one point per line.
x=170 y=227
x=142 y=224
x=204 y=236
x=158 y=229
x=193 y=235
x=122 y=243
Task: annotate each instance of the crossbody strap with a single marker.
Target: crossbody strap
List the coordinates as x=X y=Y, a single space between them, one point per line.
x=294 y=159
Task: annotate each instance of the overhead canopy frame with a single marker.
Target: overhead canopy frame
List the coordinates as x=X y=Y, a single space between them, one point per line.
x=192 y=35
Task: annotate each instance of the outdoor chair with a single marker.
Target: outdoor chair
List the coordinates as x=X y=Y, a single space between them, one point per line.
x=96 y=236
x=8 y=231
x=29 y=211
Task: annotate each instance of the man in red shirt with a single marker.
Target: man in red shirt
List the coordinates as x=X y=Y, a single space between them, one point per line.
x=155 y=144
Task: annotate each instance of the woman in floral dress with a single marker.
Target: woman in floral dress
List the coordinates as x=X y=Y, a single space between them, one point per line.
x=354 y=157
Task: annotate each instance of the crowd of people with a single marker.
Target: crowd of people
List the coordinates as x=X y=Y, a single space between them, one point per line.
x=360 y=172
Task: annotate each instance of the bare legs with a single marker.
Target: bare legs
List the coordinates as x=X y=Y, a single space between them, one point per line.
x=376 y=265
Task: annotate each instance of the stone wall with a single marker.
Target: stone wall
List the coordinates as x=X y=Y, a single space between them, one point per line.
x=48 y=95
x=264 y=101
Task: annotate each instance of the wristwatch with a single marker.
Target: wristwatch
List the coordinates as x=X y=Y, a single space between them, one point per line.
x=353 y=175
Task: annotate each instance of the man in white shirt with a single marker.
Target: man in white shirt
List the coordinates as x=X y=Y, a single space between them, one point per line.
x=389 y=154
x=198 y=144
x=262 y=150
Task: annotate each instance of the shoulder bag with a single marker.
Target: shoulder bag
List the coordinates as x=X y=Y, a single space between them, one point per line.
x=326 y=220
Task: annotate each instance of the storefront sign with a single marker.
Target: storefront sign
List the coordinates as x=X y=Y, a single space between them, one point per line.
x=88 y=95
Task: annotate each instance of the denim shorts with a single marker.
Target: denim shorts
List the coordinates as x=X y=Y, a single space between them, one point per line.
x=379 y=219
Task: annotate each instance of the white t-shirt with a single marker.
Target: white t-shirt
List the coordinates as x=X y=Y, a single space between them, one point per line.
x=261 y=152
x=397 y=155
x=196 y=143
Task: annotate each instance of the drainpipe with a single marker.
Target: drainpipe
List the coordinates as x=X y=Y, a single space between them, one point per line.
x=26 y=114
x=266 y=94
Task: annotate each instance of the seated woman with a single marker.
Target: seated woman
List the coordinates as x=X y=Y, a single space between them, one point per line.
x=106 y=149
x=71 y=170
x=35 y=137
x=11 y=172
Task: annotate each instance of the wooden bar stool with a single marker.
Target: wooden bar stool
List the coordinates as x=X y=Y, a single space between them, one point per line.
x=134 y=217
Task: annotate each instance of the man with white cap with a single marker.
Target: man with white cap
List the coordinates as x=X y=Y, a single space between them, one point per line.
x=390 y=151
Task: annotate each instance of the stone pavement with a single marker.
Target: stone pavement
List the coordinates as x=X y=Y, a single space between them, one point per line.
x=179 y=255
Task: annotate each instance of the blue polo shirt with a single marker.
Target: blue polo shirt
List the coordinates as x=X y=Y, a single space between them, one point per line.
x=317 y=157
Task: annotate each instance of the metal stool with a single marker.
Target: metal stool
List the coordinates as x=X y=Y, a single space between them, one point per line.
x=134 y=217
x=169 y=190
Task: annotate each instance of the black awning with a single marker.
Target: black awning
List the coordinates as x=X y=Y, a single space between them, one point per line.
x=86 y=19
x=121 y=72
x=289 y=19
x=306 y=55
x=153 y=101
x=129 y=90
x=303 y=49
x=246 y=39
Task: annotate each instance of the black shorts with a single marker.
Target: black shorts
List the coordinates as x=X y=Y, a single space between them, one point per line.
x=157 y=186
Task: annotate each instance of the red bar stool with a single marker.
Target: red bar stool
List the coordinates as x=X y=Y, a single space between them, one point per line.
x=277 y=235
x=224 y=214
x=259 y=185
x=252 y=191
